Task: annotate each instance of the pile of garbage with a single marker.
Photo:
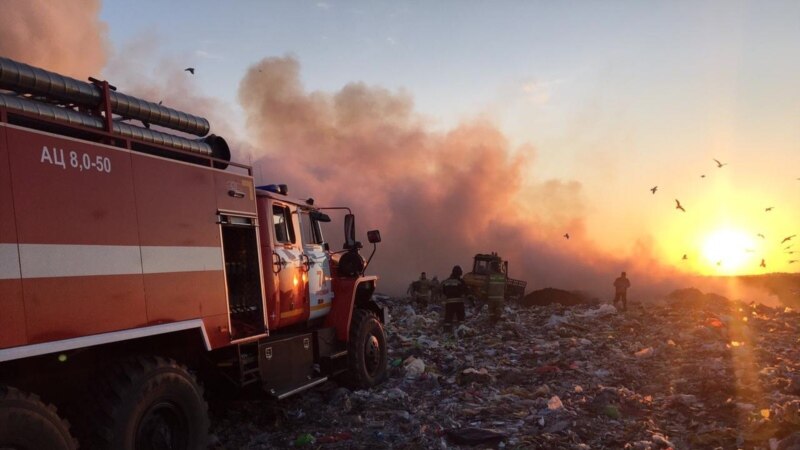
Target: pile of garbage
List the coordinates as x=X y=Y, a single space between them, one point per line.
x=717 y=375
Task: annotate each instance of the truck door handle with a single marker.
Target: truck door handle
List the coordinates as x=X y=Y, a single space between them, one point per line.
x=278 y=263
x=306 y=262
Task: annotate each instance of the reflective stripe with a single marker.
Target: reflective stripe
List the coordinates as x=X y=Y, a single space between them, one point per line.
x=9 y=262
x=27 y=351
x=47 y=260
x=181 y=259
x=496 y=287
x=58 y=260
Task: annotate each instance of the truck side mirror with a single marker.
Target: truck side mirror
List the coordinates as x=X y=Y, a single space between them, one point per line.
x=349 y=231
x=374 y=236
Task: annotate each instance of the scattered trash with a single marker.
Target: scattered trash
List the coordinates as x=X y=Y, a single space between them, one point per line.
x=604 y=310
x=414 y=366
x=612 y=412
x=304 y=439
x=554 y=403
x=660 y=376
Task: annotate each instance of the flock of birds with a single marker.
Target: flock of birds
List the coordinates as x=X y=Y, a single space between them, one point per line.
x=788 y=249
x=763 y=264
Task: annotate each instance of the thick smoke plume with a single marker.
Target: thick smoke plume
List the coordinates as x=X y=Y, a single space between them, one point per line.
x=437 y=197
x=67 y=37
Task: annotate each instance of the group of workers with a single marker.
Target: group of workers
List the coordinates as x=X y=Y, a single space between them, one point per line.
x=455 y=293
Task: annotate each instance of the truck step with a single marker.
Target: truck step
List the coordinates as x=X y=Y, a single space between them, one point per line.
x=337 y=355
x=249 y=377
x=280 y=395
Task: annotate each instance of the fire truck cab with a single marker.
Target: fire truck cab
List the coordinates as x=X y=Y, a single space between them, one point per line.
x=138 y=265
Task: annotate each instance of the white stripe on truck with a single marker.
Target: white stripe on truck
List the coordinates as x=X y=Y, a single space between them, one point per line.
x=27 y=351
x=9 y=262
x=60 y=260
x=181 y=259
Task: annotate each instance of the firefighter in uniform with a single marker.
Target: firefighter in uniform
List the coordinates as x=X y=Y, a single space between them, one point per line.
x=436 y=289
x=455 y=291
x=495 y=291
x=422 y=290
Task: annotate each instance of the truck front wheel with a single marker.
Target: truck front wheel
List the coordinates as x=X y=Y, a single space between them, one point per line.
x=28 y=424
x=151 y=403
x=367 y=354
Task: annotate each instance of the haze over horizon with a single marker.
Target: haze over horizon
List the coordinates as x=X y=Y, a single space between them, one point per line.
x=459 y=128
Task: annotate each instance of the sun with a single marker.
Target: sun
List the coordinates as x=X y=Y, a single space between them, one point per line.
x=726 y=250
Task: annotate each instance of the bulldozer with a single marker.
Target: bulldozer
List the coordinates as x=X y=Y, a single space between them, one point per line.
x=477 y=279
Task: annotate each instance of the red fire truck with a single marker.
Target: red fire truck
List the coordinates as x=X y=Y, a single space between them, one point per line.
x=138 y=263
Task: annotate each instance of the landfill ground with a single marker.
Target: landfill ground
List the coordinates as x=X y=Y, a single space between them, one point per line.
x=692 y=373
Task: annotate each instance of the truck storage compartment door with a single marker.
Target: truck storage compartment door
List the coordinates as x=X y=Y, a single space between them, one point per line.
x=243 y=276
x=12 y=318
x=286 y=363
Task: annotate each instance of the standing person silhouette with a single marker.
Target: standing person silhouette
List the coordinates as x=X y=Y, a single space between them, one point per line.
x=621 y=286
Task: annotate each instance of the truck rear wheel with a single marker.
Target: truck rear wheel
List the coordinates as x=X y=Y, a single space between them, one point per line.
x=28 y=424
x=366 y=351
x=150 y=403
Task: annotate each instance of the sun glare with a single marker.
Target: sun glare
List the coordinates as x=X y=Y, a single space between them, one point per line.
x=727 y=250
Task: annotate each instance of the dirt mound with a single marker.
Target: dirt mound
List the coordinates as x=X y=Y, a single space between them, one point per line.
x=695 y=298
x=549 y=296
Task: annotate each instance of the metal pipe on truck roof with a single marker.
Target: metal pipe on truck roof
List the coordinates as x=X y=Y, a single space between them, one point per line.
x=24 y=79
x=72 y=117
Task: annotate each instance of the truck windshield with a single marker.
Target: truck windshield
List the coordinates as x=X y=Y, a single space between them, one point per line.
x=481 y=266
x=312 y=232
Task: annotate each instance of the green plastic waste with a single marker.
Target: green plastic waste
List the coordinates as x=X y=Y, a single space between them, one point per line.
x=304 y=439
x=612 y=412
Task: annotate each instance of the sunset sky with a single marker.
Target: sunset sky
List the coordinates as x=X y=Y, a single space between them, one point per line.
x=589 y=103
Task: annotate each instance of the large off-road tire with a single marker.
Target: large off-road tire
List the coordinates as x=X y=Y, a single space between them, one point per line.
x=148 y=403
x=28 y=424
x=366 y=351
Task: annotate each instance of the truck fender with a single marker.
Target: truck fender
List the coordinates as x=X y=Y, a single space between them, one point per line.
x=348 y=295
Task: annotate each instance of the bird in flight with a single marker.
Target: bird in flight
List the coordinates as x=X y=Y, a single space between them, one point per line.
x=678 y=205
x=761 y=236
x=566 y=235
x=768 y=208
x=792 y=261
x=703 y=176
x=788 y=247
x=790 y=252
x=763 y=264
x=720 y=164
x=189 y=69
x=788 y=238
x=685 y=257
x=654 y=189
